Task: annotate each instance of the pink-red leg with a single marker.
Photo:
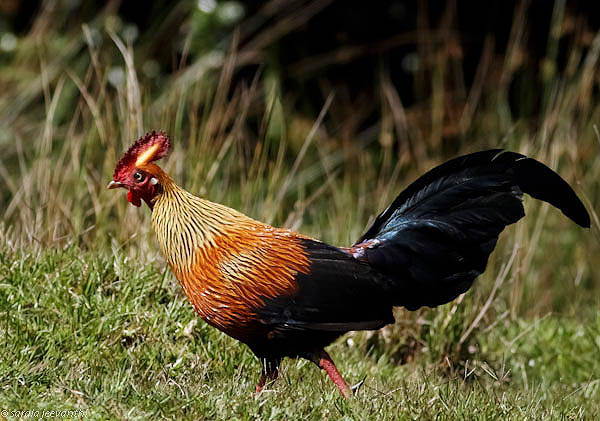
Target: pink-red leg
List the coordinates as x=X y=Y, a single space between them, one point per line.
x=323 y=360
x=270 y=371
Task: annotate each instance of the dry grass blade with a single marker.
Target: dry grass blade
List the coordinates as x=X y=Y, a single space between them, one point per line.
x=497 y=284
x=307 y=141
x=134 y=101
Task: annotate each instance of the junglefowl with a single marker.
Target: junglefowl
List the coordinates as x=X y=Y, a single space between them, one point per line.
x=285 y=294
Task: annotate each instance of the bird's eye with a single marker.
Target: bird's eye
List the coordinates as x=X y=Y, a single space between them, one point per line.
x=139 y=177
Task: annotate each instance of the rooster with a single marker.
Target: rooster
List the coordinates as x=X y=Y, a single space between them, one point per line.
x=285 y=294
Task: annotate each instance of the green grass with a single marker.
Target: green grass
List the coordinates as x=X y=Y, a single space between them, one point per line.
x=99 y=333
x=90 y=319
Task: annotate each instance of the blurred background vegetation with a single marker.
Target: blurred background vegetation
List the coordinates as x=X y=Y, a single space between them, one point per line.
x=307 y=114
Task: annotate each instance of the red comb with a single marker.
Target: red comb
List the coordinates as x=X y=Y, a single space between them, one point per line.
x=150 y=147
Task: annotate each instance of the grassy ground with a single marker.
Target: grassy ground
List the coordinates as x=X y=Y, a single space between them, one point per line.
x=100 y=333
x=92 y=320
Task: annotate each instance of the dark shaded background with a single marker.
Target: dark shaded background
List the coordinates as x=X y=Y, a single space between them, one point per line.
x=315 y=47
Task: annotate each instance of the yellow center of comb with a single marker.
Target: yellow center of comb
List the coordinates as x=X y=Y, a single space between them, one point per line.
x=147 y=156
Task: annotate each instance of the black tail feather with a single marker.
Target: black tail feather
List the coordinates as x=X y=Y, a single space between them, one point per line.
x=436 y=237
x=540 y=182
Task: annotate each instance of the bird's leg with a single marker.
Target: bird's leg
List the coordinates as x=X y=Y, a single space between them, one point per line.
x=270 y=371
x=324 y=361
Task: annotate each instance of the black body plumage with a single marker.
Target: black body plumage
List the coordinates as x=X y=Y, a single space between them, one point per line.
x=425 y=249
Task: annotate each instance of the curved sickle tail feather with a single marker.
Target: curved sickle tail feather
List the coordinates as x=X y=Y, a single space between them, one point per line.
x=436 y=237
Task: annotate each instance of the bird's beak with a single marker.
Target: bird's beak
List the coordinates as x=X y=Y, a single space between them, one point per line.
x=114 y=184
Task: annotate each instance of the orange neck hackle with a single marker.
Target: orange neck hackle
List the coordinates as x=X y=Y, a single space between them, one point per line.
x=226 y=262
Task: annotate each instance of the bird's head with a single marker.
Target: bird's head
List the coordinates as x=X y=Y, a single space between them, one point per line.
x=136 y=171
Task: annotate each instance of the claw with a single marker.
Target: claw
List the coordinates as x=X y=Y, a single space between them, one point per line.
x=358 y=385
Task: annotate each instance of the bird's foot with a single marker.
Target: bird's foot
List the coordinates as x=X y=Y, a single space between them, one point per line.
x=358 y=385
x=323 y=360
x=259 y=387
x=269 y=374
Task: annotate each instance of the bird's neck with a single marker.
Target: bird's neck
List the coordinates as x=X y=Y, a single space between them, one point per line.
x=186 y=224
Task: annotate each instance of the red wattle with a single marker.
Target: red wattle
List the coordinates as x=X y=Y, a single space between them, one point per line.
x=134 y=199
